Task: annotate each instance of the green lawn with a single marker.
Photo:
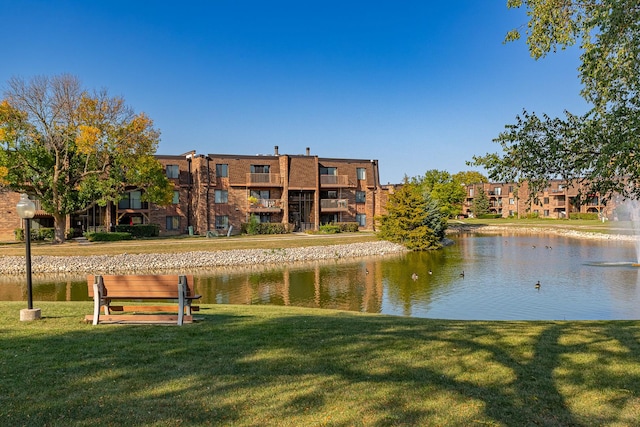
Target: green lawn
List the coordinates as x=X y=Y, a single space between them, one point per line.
x=179 y=244
x=275 y=366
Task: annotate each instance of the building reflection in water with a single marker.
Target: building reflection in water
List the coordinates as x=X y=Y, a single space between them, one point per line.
x=334 y=285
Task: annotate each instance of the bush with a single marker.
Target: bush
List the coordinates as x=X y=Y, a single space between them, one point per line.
x=489 y=216
x=349 y=227
x=330 y=229
x=256 y=227
x=587 y=216
x=106 y=237
x=43 y=233
x=140 y=230
x=253 y=226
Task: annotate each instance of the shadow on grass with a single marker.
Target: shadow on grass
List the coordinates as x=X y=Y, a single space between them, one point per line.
x=274 y=366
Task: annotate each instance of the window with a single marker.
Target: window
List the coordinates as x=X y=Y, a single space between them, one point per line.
x=361 y=219
x=173 y=223
x=471 y=192
x=512 y=201
x=132 y=200
x=545 y=201
x=265 y=217
x=546 y=212
x=176 y=198
x=361 y=196
x=511 y=189
x=497 y=191
x=259 y=169
x=222 y=170
x=173 y=171
x=361 y=173
x=260 y=194
x=221 y=196
x=330 y=194
x=222 y=222
x=328 y=171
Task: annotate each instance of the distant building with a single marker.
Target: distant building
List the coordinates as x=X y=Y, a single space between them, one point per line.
x=556 y=201
x=219 y=192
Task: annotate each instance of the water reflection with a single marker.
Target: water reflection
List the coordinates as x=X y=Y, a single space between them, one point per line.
x=580 y=279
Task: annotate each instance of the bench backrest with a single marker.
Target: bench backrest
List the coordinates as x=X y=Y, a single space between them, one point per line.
x=144 y=286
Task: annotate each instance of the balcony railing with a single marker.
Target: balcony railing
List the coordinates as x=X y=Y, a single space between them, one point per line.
x=264 y=179
x=334 y=204
x=266 y=205
x=334 y=181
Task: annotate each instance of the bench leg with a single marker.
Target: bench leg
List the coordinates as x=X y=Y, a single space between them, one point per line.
x=96 y=304
x=181 y=303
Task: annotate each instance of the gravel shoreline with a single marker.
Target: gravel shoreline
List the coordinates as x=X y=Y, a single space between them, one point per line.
x=558 y=231
x=147 y=263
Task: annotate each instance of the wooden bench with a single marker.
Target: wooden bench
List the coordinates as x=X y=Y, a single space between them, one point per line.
x=103 y=289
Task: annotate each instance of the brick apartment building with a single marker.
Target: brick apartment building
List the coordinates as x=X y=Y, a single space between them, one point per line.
x=556 y=201
x=219 y=192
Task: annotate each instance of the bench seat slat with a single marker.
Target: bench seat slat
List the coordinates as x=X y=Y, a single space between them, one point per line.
x=169 y=308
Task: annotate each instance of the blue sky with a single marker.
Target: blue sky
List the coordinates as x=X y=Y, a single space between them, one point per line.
x=417 y=85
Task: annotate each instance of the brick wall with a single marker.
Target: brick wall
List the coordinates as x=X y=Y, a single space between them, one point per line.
x=9 y=219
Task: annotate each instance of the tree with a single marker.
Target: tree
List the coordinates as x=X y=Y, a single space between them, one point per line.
x=597 y=148
x=68 y=147
x=480 y=203
x=444 y=189
x=469 y=177
x=413 y=219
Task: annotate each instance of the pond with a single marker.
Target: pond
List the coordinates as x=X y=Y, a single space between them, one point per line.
x=480 y=277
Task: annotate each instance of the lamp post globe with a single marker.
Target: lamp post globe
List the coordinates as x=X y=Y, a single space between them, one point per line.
x=26 y=210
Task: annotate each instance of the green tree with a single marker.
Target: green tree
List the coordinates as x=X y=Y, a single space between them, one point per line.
x=469 y=177
x=413 y=219
x=600 y=147
x=68 y=147
x=445 y=190
x=480 y=203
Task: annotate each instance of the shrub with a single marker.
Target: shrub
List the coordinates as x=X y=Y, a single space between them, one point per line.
x=330 y=229
x=349 y=227
x=43 y=233
x=106 y=237
x=256 y=227
x=587 y=216
x=140 y=230
x=253 y=226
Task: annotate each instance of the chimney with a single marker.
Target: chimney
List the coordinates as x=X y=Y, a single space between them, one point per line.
x=275 y=150
x=308 y=151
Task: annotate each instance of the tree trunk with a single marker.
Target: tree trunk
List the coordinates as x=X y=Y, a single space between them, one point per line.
x=108 y=219
x=60 y=228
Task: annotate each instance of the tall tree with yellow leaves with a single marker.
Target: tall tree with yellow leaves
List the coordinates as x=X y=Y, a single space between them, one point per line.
x=69 y=147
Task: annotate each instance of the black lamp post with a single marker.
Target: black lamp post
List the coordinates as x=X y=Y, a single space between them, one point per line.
x=26 y=210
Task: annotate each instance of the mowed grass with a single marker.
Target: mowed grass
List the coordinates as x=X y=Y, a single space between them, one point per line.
x=178 y=244
x=284 y=366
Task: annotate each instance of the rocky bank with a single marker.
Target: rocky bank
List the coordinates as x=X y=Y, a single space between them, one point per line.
x=141 y=263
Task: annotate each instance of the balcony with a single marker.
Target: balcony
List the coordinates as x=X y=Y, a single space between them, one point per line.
x=264 y=180
x=334 y=205
x=266 y=205
x=334 y=181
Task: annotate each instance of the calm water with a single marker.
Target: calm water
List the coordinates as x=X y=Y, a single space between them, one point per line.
x=579 y=280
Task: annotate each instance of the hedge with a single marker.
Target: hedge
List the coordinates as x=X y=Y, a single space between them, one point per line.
x=330 y=228
x=140 y=230
x=587 y=216
x=101 y=236
x=264 y=228
x=43 y=233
